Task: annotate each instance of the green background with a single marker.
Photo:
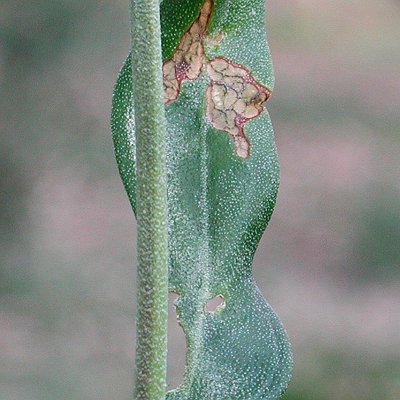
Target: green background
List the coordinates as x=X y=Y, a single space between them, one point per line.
x=328 y=263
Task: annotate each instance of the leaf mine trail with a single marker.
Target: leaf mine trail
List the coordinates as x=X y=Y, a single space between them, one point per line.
x=222 y=183
x=187 y=61
x=234 y=97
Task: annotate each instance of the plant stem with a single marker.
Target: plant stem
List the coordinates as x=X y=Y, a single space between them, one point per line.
x=151 y=211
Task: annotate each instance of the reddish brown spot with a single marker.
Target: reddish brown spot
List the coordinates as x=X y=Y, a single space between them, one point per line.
x=240 y=121
x=181 y=71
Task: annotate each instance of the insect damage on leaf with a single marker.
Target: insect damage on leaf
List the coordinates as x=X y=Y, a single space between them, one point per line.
x=233 y=97
x=218 y=74
x=215 y=304
x=188 y=59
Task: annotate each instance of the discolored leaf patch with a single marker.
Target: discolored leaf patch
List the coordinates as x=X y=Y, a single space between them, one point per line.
x=188 y=59
x=233 y=98
x=217 y=76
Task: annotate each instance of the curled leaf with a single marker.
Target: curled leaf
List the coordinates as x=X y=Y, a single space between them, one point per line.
x=223 y=177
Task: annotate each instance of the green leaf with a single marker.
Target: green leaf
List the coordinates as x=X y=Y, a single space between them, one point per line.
x=223 y=177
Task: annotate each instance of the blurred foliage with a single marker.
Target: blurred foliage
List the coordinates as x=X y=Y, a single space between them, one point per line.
x=377 y=249
x=329 y=262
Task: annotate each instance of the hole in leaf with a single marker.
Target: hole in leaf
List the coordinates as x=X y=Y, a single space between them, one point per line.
x=176 y=346
x=216 y=304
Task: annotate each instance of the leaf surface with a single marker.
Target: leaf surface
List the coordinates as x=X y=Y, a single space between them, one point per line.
x=223 y=177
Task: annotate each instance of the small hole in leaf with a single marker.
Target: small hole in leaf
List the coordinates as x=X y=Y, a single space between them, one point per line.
x=176 y=346
x=216 y=304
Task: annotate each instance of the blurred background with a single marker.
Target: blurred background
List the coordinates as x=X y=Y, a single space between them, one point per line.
x=328 y=263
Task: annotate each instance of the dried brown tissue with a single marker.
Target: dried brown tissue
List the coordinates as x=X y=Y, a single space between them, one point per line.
x=234 y=97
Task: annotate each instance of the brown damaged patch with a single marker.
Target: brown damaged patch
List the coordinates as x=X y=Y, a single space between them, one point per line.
x=234 y=98
x=187 y=62
x=214 y=41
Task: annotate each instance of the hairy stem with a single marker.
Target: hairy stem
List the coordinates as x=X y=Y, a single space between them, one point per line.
x=151 y=195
